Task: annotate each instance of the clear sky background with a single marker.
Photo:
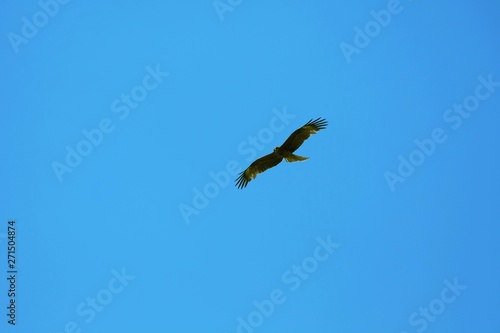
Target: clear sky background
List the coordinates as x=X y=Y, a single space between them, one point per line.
x=392 y=225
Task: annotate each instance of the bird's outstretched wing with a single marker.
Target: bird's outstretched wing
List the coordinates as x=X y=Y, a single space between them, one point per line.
x=258 y=166
x=296 y=139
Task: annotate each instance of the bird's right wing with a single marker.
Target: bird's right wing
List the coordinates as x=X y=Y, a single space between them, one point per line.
x=260 y=165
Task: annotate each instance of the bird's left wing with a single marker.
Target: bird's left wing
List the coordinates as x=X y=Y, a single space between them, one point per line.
x=296 y=139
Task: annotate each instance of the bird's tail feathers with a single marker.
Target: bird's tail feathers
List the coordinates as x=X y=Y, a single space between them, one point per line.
x=295 y=158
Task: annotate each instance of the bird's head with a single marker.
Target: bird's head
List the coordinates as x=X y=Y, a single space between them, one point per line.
x=276 y=148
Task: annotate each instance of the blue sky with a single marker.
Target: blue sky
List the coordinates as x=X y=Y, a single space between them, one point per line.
x=124 y=126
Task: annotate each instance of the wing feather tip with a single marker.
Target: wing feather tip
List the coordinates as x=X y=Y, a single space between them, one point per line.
x=241 y=181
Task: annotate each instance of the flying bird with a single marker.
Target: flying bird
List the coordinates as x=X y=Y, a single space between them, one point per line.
x=286 y=150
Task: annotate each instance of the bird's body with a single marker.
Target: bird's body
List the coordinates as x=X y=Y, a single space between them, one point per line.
x=287 y=155
x=286 y=150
